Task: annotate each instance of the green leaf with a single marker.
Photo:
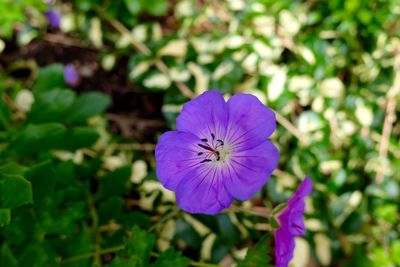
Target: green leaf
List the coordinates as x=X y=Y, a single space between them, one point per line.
x=74 y=245
x=51 y=105
x=396 y=252
x=140 y=244
x=88 y=105
x=274 y=222
x=133 y=7
x=157 y=7
x=279 y=208
x=5 y=217
x=135 y=217
x=116 y=183
x=37 y=138
x=4 y=115
x=387 y=212
x=170 y=258
x=43 y=181
x=7 y=258
x=37 y=254
x=79 y=137
x=137 y=250
x=50 y=77
x=123 y=262
x=259 y=255
x=110 y=209
x=15 y=191
x=187 y=233
x=12 y=168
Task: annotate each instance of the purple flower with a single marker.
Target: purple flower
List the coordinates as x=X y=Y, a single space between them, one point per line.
x=219 y=152
x=291 y=224
x=71 y=75
x=53 y=17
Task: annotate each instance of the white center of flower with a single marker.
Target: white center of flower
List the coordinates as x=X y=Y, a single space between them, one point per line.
x=213 y=150
x=223 y=155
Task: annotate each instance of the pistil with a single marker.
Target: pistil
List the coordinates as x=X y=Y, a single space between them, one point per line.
x=212 y=150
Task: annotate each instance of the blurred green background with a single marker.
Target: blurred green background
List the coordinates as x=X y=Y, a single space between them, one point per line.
x=77 y=177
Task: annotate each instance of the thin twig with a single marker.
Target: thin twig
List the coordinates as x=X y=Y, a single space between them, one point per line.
x=66 y=41
x=136 y=147
x=290 y=127
x=93 y=253
x=387 y=129
x=390 y=118
x=257 y=211
x=185 y=90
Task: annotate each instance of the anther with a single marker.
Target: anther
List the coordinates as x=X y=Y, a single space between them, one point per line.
x=220 y=141
x=213 y=136
x=204 y=140
x=205 y=160
x=205 y=147
x=200 y=153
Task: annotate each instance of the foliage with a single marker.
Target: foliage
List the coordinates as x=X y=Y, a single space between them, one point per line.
x=257 y=256
x=72 y=193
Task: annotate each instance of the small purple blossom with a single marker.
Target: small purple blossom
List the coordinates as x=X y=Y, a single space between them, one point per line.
x=220 y=151
x=291 y=224
x=71 y=75
x=53 y=17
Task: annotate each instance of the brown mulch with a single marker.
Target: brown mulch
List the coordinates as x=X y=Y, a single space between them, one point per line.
x=134 y=114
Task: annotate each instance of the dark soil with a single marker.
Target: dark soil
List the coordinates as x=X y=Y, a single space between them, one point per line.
x=134 y=114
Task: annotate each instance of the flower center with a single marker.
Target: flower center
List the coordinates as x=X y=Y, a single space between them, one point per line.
x=213 y=150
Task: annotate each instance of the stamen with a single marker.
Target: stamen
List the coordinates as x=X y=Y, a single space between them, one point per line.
x=220 y=141
x=206 y=147
x=213 y=136
x=205 y=160
x=200 y=153
x=204 y=140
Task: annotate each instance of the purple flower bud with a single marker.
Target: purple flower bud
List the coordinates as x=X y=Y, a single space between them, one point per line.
x=291 y=224
x=53 y=17
x=71 y=75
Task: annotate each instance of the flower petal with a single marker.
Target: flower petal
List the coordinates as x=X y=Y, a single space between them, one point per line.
x=202 y=191
x=291 y=224
x=250 y=122
x=296 y=221
x=304 y=189
x=249 y=170
x=206 y=114
x=176 y=155
x=296 y=206
x=284 y=246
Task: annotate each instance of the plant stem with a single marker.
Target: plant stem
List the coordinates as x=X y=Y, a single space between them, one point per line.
x=165 y=218
x=202 y=264
x=94 y=253
x=259 y=213
x=96 y=233
x=290 y=128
